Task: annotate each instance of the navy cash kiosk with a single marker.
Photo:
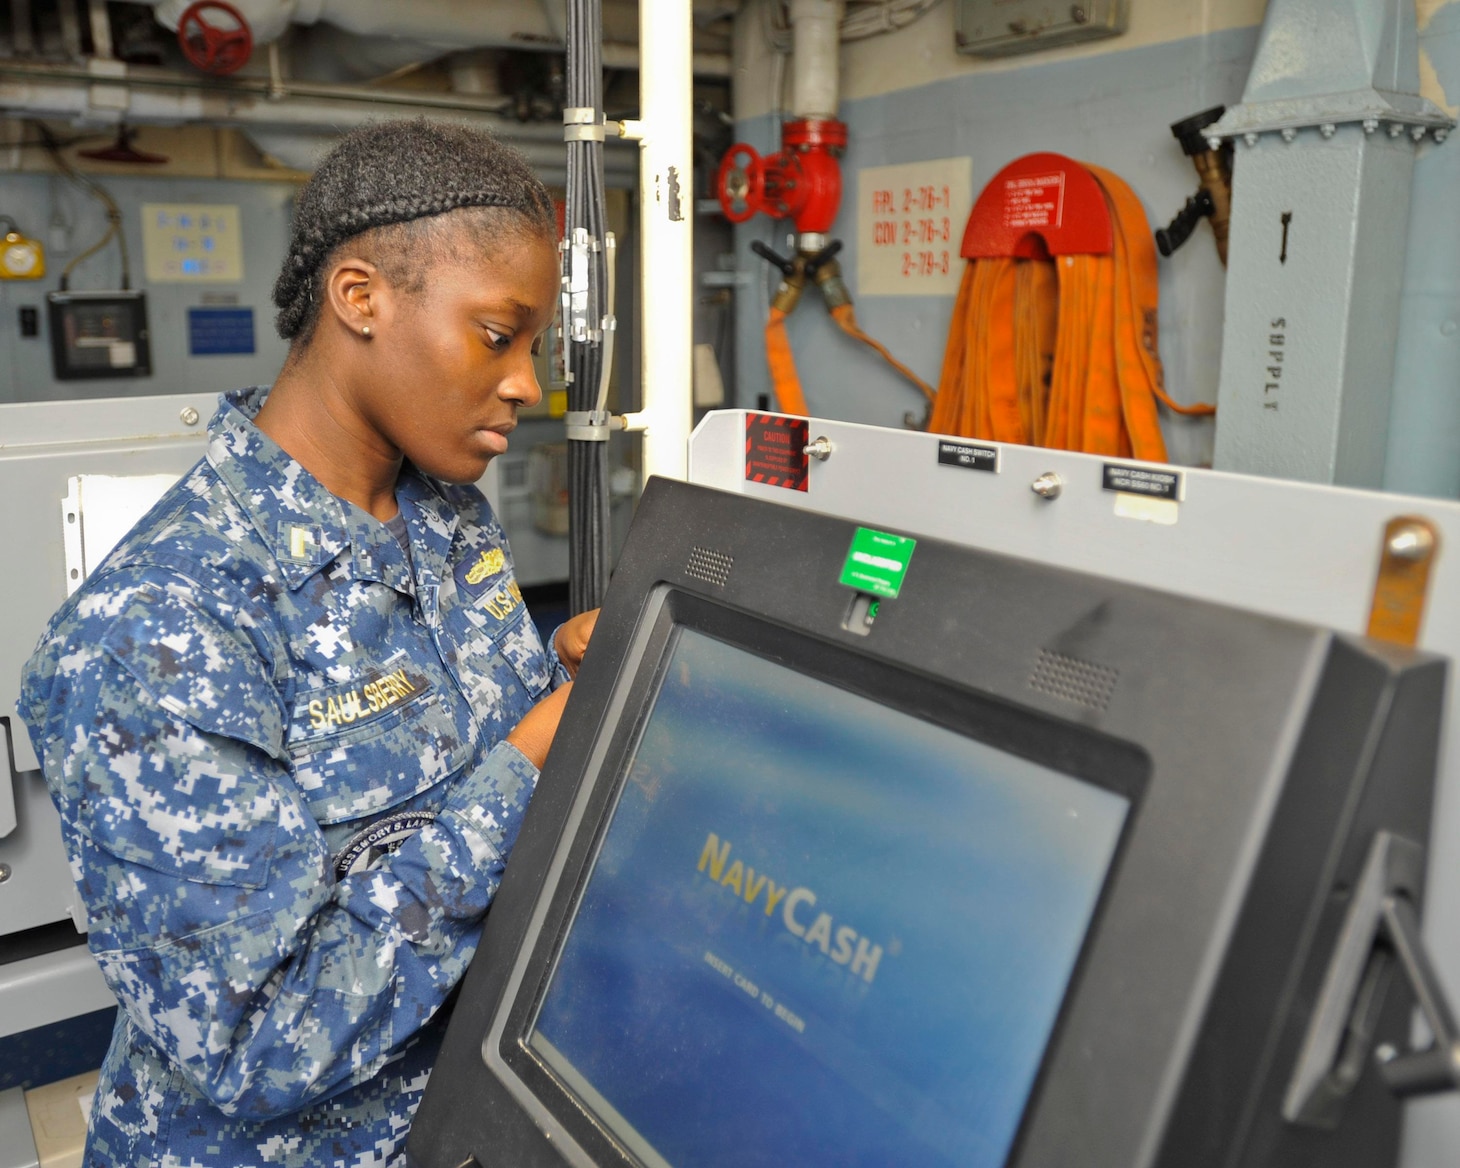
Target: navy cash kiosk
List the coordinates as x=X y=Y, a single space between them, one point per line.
x=863 y=849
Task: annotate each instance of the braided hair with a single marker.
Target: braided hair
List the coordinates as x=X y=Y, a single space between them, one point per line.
x=392 y=183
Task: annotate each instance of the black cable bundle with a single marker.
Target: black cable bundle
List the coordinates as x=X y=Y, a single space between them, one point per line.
x=583 y=314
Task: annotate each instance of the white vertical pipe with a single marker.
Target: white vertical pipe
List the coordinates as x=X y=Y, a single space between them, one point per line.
x=666 y=206
x=816 y=43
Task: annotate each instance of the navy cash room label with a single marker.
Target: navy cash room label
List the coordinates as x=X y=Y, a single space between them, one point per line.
x=1142 y=480
x=969 y=456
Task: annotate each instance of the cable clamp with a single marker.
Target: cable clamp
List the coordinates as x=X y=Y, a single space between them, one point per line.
x=591 y=425
x=576 y=293
x=577 y=285
x=583 y=123
x=600 y=124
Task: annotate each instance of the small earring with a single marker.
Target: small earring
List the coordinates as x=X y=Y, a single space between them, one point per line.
x=365 y=332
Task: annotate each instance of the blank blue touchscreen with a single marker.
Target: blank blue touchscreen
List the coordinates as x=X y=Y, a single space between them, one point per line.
x=819 y=930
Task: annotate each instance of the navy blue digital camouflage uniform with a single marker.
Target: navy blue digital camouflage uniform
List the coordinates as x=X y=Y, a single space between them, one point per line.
x=277 y=747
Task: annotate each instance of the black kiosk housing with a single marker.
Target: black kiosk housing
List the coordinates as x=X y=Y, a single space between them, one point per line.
x=1096 y=845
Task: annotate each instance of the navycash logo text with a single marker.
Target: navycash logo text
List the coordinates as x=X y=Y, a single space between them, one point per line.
x=796 y=906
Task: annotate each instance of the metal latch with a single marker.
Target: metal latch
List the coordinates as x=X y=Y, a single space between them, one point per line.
x=1380 y=935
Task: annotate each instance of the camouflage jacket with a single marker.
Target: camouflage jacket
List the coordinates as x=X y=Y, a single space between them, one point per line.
x=277 y=751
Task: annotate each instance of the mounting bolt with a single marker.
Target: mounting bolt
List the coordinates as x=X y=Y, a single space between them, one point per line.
x=1395 y=129
x=1370 y=125
x=1417 y=133
x=1385 y=1052
x=1411 y=542
x=1441 y=134
x=819 y=448
x=1048 y=485
x=188 y=416
x=1328 y=129
x=1250 y=138
x=1289 y=133
x=4 y=873
x=1078 y=14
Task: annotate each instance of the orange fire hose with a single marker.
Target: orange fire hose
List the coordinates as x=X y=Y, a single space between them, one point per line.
x=786 y=382
x=846 y=317
x=783 y=366
x=1061 y=352
x=827 y=274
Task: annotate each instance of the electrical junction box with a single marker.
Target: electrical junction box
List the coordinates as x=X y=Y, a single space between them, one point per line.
x=99 y=334
x=1004 y=28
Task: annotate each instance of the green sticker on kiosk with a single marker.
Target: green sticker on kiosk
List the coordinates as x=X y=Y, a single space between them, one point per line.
x=877 y=561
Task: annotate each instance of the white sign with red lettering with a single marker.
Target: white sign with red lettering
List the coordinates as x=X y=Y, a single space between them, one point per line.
x=910 y=221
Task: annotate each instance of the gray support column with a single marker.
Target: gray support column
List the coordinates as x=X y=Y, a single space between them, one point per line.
x=1326 y=135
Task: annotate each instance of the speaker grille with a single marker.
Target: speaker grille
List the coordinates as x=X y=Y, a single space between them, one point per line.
x=1071 y=680
x=710 y=566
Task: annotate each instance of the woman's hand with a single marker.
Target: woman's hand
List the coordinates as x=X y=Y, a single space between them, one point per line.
x=571 y=640
x=534 y=734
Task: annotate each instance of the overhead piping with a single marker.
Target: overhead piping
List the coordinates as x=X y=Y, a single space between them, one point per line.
x=155 y=97
x=443 y=25
x=817 y=43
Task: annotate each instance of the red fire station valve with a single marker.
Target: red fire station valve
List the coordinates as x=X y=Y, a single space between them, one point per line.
x=803 y=182
x=740 y=183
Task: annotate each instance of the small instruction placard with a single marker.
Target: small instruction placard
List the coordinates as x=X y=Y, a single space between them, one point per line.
x=1142 y=480
x=1032 y=201
x=877 y=562
x=775 y=451
x=969 y=456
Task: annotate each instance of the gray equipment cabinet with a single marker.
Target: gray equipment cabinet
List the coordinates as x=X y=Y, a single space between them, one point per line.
x=43 y=446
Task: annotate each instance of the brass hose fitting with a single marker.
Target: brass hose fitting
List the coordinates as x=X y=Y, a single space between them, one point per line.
x=822 y=267
x=793 y=277
x=1213 y=198
x=1214 y=168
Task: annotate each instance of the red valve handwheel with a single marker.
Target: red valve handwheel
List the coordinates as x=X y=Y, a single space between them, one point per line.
x=740 y=182
x=210 y=47
x=802 y=183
